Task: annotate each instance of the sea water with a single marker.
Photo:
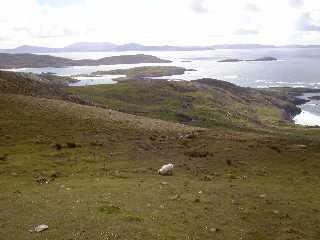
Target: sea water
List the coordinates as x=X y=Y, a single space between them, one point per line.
x=296 y=67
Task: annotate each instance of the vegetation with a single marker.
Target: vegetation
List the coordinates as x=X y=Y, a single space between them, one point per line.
x=141 y=73
x=204 y=103
x=8 y=61
x=91 y=173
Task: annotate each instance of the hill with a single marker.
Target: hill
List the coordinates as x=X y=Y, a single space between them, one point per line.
x=102 y=47
x=91 y=173
x=205 y=102
x=9 y=61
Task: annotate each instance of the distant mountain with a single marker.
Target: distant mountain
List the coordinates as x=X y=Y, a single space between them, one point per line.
x=101 y=47
x=90 y=47
x=111 y=47
x=29 y=49
x=25 y=60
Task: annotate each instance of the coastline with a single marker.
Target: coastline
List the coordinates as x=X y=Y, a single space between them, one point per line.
x=306 y=117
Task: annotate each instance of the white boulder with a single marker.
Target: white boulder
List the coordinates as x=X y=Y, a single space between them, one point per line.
x=41 y=228
x=166 y=170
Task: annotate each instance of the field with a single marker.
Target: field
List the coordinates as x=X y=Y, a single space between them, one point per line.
x=91 y=173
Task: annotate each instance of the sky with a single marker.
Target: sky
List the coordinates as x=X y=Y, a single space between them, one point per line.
x=57 y=23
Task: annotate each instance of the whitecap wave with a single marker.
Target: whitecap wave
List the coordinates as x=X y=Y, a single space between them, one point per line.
x=307 y=119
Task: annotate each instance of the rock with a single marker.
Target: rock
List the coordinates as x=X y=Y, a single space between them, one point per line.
x=58 y=146
x=71 y=145
x=175 y=197
x=96 y=144
x=229 y=162
x=263 y=195
x=116 y=173
x=42 y=180
x=164 y=183
x=3 y=157
x=214 y=230
x=41 y=228
x=234 y=202
x=166 y=170
x=197 y=200
x=207 y=178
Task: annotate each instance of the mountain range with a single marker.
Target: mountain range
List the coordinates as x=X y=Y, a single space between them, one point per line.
x=111 y=47
x=101 y=47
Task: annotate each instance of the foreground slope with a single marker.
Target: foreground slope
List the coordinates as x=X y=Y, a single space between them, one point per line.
x=91 y=173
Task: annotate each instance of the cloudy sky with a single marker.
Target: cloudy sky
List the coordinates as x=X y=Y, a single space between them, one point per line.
x=57 y=23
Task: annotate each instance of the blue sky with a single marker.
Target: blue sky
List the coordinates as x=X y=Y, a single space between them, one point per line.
x=57 y=23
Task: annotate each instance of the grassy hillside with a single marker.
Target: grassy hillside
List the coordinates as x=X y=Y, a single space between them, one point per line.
x=91 y=173
x=205 y=103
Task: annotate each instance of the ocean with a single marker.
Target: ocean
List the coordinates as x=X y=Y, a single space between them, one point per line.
x=294 y=68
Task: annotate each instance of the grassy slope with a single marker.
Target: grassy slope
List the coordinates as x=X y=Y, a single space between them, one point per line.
x=206 y=103
x=261 y=186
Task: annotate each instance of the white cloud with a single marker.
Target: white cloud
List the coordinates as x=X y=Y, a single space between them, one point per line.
x=306 y=23
x=296 y=3
x=252 y=7
x=57 y=23
x=242 y=31
x=198 y=6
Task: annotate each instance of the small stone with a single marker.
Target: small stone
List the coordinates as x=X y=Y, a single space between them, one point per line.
x=275 y=212
x=164 y=183
x=71 y=145
x=234 y=202
x=213 y=230
x=3 y=157
x=175 y=197
x=197 y=200
x=263 y=195
x=58 y=146
x=206 y=179
x=41 y=228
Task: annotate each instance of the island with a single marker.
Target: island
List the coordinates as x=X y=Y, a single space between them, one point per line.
x=140 y=73
x=11 y=61
x=262 y=59
x=230 y=60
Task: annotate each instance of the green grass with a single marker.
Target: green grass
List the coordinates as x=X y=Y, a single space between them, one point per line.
x=109 y=187
x=196 y=103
